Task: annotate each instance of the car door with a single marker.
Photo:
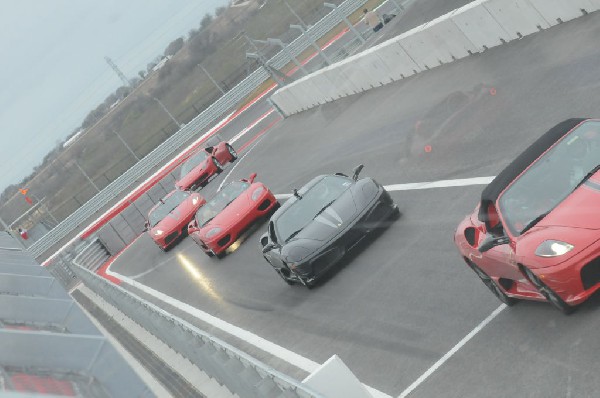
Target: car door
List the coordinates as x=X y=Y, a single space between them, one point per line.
x=499 y=261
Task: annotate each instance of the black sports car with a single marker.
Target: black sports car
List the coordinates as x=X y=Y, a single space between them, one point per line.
x=324 y=219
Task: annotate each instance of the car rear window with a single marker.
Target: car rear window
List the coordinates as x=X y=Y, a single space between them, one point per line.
x=192 y=162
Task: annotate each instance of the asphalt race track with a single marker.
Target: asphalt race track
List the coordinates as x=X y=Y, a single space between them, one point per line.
x=406 y=299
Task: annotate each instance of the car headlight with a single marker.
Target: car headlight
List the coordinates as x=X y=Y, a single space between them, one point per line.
x=195 y=200
x=553 y=248
x=257 y=192
x=213 y=232
x=158 y=232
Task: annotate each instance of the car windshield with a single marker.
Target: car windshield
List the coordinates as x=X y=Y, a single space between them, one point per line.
x=167 y=205
x=551 y=178
x=192 y=162
x=304 y=210
x=220 y=201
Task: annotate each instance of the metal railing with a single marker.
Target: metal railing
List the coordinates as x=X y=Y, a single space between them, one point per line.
x=185 y=134
x=237 y=371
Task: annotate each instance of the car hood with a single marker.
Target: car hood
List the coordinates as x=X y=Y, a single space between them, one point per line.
x=581 y=209
x=230 y=214
x=332 y=220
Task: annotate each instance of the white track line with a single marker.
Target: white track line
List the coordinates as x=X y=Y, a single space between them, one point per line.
x=290 y=356
x=453 y=351
x=425 y=185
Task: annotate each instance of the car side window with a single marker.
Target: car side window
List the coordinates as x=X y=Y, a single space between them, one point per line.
x=494 y=224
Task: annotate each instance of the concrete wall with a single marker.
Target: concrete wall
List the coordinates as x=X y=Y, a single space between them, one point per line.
x=471 y=29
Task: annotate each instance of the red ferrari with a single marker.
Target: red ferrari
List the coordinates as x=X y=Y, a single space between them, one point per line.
x=535 y=233
x=220 y=222
x=168 y=219
x=200 y=167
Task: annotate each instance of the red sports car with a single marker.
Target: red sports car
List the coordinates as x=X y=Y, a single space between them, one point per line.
x=168 y=219
x=535 y=233
x=220 y=222
x=202 y=165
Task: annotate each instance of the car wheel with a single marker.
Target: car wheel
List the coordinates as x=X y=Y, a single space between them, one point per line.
x=395 y=214
x=492 y=285
x=280 y=273
x=217 y=165
x=548 y=293
x=310 y=285
x=210 y=253
x=232 y=152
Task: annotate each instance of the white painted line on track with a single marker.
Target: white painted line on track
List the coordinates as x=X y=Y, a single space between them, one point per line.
x=453 y=351
x=440 y=184
x=276 y=350
x=251 y=126
x=290 y=356
x=424 y=185
x=237 y=163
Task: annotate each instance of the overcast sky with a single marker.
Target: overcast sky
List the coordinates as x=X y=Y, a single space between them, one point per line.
x=53 y=69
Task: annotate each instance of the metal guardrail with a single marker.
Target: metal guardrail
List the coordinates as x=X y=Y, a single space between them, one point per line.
x=173 y=143
x=240 y=373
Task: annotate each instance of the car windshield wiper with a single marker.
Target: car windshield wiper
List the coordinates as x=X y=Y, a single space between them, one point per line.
x=324 y=207
x=294 y=234
x=534 y=221
x=587 y=176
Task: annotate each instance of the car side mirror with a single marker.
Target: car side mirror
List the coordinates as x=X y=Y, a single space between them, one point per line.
x=252 y=178
x=492 y=241
x=146 y=226
x=193 y=226
x=357 y=171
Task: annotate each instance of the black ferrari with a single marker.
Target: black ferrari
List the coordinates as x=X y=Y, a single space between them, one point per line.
x=321 y=222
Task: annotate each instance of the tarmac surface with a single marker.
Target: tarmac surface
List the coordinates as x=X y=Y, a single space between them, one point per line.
x=406 y=299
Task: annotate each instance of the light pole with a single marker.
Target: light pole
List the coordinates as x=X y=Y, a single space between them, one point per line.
x=342 y=16
x=86 y=176
x=313 y=42
x=296 y=15
x=269 y=70
x=126 y=146
x=168 y=113
x=211 y=79
x=286 y=51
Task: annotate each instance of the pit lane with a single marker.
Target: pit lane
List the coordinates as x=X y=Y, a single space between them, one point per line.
x=406 y=299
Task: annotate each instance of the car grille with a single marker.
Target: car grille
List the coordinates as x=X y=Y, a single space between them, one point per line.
x=171 y=237
x=224 y=240
x=265 y=204
x=590 y=273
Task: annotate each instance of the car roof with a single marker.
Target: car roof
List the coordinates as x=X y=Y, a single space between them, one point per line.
x=522 y=162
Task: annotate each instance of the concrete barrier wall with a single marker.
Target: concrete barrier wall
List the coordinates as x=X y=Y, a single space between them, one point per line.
x=473 y=28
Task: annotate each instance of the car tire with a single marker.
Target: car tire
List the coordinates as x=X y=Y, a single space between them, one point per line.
x=395 y=214
x=286 y=280
x=232 y=153
x=548 y=293
x=217 y=165
x=492 y=285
